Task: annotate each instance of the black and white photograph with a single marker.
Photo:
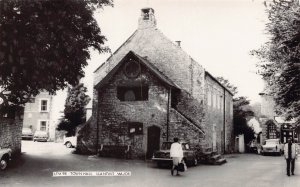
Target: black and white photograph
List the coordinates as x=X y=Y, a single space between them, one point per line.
x=149 y=93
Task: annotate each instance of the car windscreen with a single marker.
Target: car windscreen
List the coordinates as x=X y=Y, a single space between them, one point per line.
x=271 y=142
x=26 y=131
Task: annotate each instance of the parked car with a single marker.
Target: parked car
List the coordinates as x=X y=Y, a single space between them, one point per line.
x=27 y=134
x=70 y=141
x=5 y=157
x=272 y=146
x=40 y=136
x=163 y=155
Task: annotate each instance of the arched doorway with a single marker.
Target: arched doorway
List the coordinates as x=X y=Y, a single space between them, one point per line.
x=153 y=140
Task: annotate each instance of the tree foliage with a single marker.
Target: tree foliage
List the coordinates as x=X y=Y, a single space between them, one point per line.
x=280 y=56
x=228 y=85
x=240 y=114
x=74 y=112
x=44 y=45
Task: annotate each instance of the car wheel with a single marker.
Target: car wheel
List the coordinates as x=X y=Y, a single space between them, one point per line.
x=68 y=145
x=3 y=163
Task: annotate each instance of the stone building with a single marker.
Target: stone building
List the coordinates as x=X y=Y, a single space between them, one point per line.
x=38 y=114
x=273 y=125
x=150 y=91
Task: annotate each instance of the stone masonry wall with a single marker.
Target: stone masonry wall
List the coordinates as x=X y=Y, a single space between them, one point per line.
x=215 y=116
x=183 y=129
x=113 y=113
x=10 y=134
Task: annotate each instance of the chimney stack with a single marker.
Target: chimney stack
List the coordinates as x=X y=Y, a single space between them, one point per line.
x=147 y=19
x=178 y=43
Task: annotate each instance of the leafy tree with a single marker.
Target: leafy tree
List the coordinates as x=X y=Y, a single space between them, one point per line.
x=280 y=56
x=240 y=114
x=44 y=45
x=227 y=84
x=74 y=112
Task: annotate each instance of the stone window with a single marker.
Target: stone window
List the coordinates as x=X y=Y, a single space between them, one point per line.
x=132 y=93
x=43 y=125
x=135 y=128
x=132 y=69
x=214 y=102
x=209 y=97
x=221 y=103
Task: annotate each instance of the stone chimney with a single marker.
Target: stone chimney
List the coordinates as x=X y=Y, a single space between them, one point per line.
x=147 y=19
x=178 y=43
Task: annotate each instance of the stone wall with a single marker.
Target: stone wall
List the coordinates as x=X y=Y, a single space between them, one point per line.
x=10 y=134
x=183 y=129
x=113 y=113
x=217 y=123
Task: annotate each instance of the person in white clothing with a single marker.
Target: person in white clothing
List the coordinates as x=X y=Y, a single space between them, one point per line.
x=176 y=153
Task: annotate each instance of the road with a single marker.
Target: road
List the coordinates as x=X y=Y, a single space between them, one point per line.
x=39 y=160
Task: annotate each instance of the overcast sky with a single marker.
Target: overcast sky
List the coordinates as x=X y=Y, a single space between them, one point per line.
x=218 y=34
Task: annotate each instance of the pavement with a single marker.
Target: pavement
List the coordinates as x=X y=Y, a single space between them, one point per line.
x=39 y=160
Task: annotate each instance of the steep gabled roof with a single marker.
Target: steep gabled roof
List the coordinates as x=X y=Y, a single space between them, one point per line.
x=145 y=63
x=212 y=77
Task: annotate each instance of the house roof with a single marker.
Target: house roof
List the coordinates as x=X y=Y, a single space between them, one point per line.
x=207 y=73
x=144 y=62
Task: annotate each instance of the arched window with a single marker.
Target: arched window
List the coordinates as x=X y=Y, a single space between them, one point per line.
x=272 y=132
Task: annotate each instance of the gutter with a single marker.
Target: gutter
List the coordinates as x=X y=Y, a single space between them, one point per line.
x=224 y=120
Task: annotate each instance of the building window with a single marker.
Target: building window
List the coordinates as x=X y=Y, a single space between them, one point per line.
x=221 y=103
x=136 y=93
x=271 y=130
x=43 y=125
x=214 y=100
x=209 y=98
x=135 y=128
x=132 y=69
x=44 y=105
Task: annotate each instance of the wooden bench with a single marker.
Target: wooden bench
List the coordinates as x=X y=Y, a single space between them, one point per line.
x=116 y=151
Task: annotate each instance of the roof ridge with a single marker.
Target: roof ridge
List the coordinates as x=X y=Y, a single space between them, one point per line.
x=112 y=54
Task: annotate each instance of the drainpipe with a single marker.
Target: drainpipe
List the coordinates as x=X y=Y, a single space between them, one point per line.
x=224 y=121
x=97 y=120
x=168 y=113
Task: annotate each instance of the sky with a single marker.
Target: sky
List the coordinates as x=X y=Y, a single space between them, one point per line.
x=218 y=34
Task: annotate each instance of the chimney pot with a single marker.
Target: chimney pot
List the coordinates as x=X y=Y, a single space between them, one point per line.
x=178 y=43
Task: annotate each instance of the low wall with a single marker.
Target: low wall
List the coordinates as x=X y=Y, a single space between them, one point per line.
x=10 y=134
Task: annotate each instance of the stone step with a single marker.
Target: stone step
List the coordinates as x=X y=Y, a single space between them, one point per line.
x=220 y=161
x=216 y=157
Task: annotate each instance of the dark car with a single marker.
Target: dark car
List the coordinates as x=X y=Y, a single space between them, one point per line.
x=40 y=136
x=5 y=157
x=27 y=134
x=162 y=156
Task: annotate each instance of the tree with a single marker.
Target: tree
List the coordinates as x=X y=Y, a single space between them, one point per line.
x=240 y=114
x=44 y=45
x=227 y=84
x=74 y=112
x=280 y=57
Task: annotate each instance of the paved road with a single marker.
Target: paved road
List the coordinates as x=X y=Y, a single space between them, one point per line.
x=40 y=160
